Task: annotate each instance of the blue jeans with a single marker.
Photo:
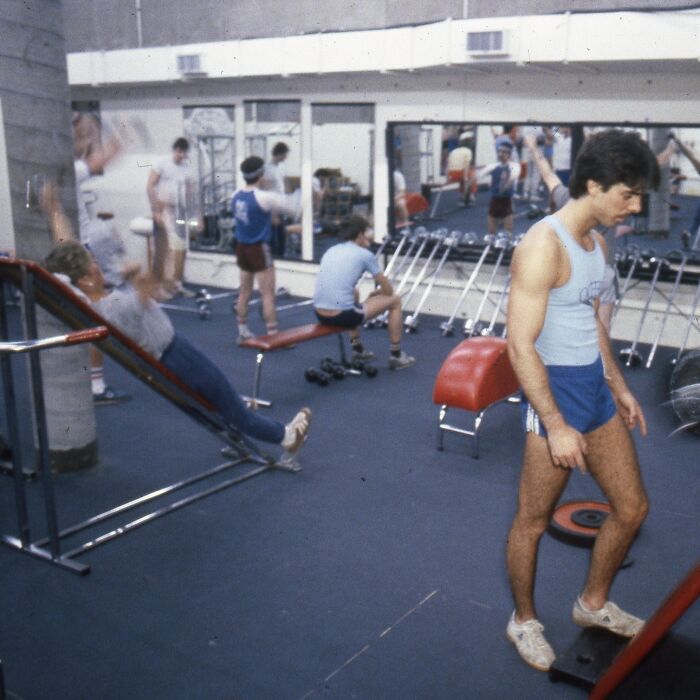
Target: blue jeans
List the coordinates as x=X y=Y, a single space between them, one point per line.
x=201 y=374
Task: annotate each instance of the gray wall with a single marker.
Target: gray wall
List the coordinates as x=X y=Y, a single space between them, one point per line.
x=36 y=112
x=113 y=24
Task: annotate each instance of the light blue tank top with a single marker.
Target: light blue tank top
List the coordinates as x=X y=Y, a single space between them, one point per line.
x=570 y=335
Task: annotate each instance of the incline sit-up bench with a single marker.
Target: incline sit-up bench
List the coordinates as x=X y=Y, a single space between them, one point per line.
x=286 y=339
x=39 y=287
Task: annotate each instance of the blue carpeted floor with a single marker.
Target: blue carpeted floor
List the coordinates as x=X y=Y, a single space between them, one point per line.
x=378 y=572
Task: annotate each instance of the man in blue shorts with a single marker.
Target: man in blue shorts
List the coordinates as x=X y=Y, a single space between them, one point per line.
x=577 y=408
x=336 y=299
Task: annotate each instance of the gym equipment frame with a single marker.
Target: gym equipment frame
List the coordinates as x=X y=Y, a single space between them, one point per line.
x=39 y=287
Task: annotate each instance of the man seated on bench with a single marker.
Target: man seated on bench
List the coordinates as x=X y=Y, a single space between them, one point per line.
x=336 y=298
x=131 y=308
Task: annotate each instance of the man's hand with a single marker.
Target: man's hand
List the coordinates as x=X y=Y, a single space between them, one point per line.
x=631 y=411
x=567 y=447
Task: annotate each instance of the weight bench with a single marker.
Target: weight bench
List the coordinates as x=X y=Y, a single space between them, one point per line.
x=475 y=376
x=287 y=339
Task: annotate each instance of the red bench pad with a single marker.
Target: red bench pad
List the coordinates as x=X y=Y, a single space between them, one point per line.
x=290 y=336
x=476 y=374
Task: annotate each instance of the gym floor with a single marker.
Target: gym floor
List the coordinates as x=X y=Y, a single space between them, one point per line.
x=377 y=572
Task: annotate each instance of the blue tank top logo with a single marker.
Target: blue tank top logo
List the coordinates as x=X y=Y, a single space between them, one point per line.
x=241 y=212
x=590 y=293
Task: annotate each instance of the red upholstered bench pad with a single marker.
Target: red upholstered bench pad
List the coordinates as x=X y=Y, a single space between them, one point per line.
x=290 y=336
x=475 y=374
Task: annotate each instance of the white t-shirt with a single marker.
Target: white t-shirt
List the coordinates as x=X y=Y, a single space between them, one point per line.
x=274 y=177
x=172 y=180
x=399 y=183
x=561 y=156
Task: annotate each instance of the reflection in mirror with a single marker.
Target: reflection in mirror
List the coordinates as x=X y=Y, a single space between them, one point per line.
x=479 y=179
x=272 y=132
x=210 y=132
x=342 y=145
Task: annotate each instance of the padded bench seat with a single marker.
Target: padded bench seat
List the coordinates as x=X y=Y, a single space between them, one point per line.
x=286 y=339
x=476 y=375
x=290 y=336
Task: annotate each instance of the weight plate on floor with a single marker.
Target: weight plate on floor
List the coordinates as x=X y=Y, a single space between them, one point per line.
x=577 y=522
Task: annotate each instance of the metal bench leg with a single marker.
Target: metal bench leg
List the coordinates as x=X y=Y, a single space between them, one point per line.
x=341 y=346
x=441 y=418
x=477 y=425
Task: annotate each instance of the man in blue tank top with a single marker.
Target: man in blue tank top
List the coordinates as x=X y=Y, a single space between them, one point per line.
x=577 y=408
x=252 y=212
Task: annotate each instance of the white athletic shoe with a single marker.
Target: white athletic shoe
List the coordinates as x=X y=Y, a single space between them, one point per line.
x=533 y=648
x=297 y=431
x=609 y=617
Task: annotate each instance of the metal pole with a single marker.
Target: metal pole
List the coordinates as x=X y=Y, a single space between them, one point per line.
x=447 y=326
x=672 y=296
x=40 y=412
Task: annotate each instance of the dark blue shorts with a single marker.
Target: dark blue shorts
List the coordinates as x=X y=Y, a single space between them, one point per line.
x=582 y=395
x=347 y=318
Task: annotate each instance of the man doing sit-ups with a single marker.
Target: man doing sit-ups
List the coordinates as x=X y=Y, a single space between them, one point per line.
x=131 y=308
x=577 y=408
x=336 y=298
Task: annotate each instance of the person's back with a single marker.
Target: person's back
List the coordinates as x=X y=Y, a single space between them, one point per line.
x=341 y=267
x=253 y=223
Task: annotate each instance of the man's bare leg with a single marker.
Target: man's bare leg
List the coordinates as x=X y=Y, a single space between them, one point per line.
x=245 y=289
x=266 y=284
x=380 y=303
x=612 y=461
x=541 y=485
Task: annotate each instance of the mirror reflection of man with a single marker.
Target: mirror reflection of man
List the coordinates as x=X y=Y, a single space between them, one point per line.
x=274 y=180
x=504 y=176
x=169 y=187
x=460 y=168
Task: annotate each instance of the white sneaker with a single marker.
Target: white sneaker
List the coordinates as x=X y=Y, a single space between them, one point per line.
x=533 y=648
x=609 y=617
x=297 y=431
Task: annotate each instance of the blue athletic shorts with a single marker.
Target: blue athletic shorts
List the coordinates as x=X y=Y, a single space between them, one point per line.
x=347 y=318
x=582 y=395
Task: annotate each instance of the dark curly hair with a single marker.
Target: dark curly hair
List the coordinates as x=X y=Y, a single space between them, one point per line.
x=611 y=157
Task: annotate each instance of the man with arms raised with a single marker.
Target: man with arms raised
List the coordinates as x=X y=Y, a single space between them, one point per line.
x=577 y=408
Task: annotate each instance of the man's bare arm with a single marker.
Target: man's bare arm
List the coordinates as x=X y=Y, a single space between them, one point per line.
x=627 y=405
x=59 y=224
x=535 y=268
x=688 y=154
x=550 y=178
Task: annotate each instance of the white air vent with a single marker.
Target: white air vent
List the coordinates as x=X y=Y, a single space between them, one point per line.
x=190 y=65
x=487 y=43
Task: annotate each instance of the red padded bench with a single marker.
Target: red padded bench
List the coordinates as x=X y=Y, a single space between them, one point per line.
x=476 y=375
x=287 y=339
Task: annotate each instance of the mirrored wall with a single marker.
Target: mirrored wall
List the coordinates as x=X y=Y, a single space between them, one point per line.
x=342 y=142
x=482 y=179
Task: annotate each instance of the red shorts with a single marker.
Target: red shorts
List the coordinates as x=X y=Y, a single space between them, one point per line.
x=500 y=207
x=253 y=257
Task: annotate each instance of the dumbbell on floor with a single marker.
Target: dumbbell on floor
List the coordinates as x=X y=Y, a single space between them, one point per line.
x=316 y=376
